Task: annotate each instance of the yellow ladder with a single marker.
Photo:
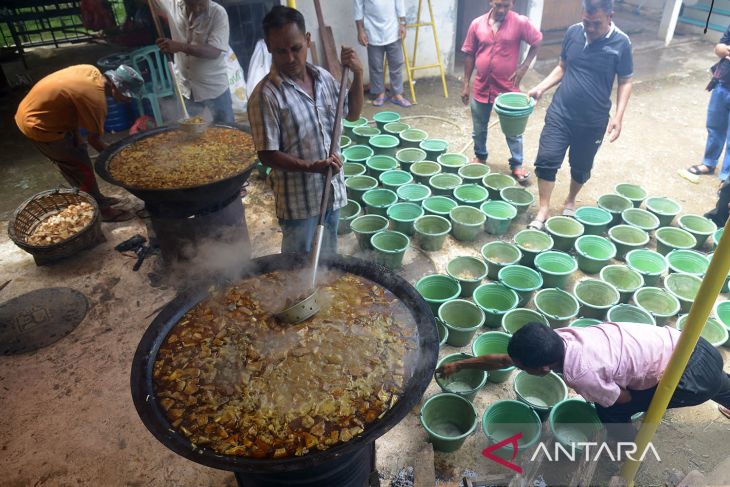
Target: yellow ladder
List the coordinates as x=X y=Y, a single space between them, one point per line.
x=411 y=66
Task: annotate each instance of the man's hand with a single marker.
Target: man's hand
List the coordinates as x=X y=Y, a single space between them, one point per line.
x=723 y=51
x=449 y=369
x=536 y=93
x=362 y=38
x=614 y=129
x=350 y=59
x=321 y=166
x=465 y=93
x=168 y=46
x=517 y=76
x=402 y=31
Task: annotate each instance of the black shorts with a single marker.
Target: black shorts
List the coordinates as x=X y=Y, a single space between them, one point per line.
x=557 y=136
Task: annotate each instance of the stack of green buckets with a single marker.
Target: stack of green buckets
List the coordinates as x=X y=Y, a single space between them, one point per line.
x=514 y=109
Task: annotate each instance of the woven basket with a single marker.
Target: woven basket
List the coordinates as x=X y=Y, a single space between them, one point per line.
x=43 y=205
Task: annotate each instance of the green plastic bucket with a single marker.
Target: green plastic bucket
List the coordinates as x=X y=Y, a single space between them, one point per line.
x=504 y=419
x=496 y=182
x=348 y=213
x=466 y=223
x=348 y=125
x=584 y=323
x=700 y=227
x=615 y=204
x=495 y=300
x=439 y=205
x=366 y=226
x=395 y=178
x=594 y=253
x=357 y=186
x=463 y=318
x=351 y=169
x=500 y=215
x=383 y=118
x=377 y=201
x=431 y=231
x=470 y=195
x=443 y=333
x=634 y=192
x=565 y=231
x=493 y=342
x=513 y=123
x=522 y=280
x=514 y=101
x=466 y=382
x=384 y=145
x=434 y=147
x=497 y=255
x=357 y=153
x=452 y=161
x=403 y=215
x=651 y=265
x=671 y=238
x=627 y=238
x=555 y=268
x=414 y=193
x=639 y=218
x=469 y=271
x=361 y=135
x=665 y=209
x=518 y=197
x=684 y=287
x=448 y=419
x=716 y=237
x=444 y=184
x=722 y=313
x=436 y=289
x=395 y=128
x=473 y=173
x=412 y=137
x=541 y=393
x=595 y=298
x=688 y=262
x=531 y=243
x=423 y=171
x=345 y=142
x=714 y=331
x=515 y=319
x=390 y=247
x=378 y=164
x=594 y=220
x=407 y=157
x=661 y=304
x=574 y=422
x=628 y=313
x=623 y=278
x=558 y=306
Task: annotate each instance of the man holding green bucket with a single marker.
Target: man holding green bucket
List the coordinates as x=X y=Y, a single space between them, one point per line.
x=595 y=52
x=615 y=365
x=492 y=45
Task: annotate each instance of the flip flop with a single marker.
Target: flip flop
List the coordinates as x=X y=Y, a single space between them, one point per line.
x=477 y=160
x=696 y=170
x=536 y=224
x=115 y=215
x=569 y=212
x=521 y=176
x=401 y=103
x=379 y=101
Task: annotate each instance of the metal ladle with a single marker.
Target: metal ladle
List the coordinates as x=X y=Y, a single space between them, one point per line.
x=310 y=306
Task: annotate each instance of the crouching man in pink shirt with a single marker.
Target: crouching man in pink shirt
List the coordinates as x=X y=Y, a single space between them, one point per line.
x=615 y=365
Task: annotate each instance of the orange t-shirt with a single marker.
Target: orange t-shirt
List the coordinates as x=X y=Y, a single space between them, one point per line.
x=62 y=102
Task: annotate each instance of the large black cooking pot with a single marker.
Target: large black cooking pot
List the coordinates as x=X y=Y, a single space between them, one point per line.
x=153 y=416
x=189 y=200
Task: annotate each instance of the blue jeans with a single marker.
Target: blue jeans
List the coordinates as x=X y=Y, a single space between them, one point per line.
x=480 y=114
x=718 y=136
x=221 y=108
x=298 y=234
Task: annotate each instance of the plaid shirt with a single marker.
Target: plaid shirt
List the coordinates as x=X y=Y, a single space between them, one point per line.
x=285 y=118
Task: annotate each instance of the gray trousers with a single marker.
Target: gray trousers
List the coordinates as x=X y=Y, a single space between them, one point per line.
x=376 y=61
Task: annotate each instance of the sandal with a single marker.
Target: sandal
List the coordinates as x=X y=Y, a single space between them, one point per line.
x=478 y=160
x=569 y=212
x=115 y=215
x=401 y=102
x=697 y=170
x=521 y=175
x=536 y=224
x=379 y=101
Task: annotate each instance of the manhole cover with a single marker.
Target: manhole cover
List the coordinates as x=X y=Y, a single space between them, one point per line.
x=39 y=318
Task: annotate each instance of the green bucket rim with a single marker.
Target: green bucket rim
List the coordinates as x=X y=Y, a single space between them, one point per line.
x=712 y=321
x=539 y=318
x=521 y=375
x=352 y=180
x=662 y=233
x=350 y=216
x=361 y=168
x=492 y=334
x=617 y=190
x=596 y=282
x=644 y=213
x=613 y=267
x=616 y=198
x=503 y=244
x=434 y=180
x=650 y=201
x=489 y=205
x=624 y=306
x=553 y=253
x=669 y=282
x=452 y=357
x=513 y=406
x=378 y=117
x=484 y=194
x=391 y=131
x=437 y=218
x=393 y=173
x=654 y=254
x=440 y=198
x=431 y=149
x=419 y=164
x=411 y=131
x=464 y=303
x=580 y=228
x=442 y=277
x=687 y=252
x=594 y=210
x=400 y=155
x=404 y=204
x=719 y=311
x=358 y=147
x=405 y=192
x=379 y=141
x=495 y=285
x=538 y=281
x=377 y=158
x=530 y=231
x=464 y=170
x=366 y=131
x=556 y=410
x=631 y=228
x=476 y=260
x=405 y=241
x=463 y=160
x=659 y=291
x=436 y=397
x=684 y=226
x=584 y=322
x=544 y=292
x=508 y=181
x=503 y=193
x=585 y=238
x=362 y=218
x=453 y=215
x=393 y=198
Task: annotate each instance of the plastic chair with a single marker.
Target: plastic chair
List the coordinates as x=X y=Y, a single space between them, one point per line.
x=152 y=65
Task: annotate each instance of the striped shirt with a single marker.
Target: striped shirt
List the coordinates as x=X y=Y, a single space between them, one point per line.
x=285 y=118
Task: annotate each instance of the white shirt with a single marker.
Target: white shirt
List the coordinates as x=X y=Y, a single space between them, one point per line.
x=206 y=78
x=380 y=19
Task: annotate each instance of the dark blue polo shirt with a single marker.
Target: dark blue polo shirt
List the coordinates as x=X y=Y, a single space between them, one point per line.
x=584 y=95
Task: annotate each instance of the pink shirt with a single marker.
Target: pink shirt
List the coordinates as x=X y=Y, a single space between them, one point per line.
x=496 y=55
x=603 y=358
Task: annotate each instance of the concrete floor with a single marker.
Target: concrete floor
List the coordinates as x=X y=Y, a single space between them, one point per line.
x=68 y=417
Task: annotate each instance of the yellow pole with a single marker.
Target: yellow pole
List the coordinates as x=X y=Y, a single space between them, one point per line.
x=418 y=28
x=409 y=72
x=438 y=51
x=711 y=285
x=291 y=3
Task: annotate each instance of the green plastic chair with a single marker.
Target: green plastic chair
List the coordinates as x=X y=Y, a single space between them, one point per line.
x=152 y=65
